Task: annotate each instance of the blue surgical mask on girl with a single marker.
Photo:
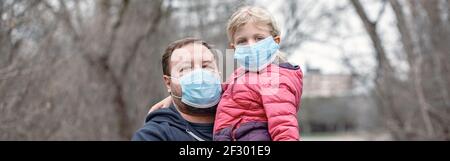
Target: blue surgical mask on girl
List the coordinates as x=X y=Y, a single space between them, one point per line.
x=258 y=56
x=200 y=88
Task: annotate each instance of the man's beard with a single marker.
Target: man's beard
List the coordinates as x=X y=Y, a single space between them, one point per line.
x=200 y=111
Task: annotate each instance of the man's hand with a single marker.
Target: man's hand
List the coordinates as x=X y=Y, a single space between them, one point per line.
x=163 y=104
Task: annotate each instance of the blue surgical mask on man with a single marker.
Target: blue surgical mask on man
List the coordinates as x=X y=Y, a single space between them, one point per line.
x=200 y=89
x=257 y=56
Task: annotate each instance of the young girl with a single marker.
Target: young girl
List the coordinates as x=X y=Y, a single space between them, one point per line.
x=261 y=99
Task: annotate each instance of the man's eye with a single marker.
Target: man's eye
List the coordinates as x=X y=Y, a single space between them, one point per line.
x=208 y=67
x=184 y=70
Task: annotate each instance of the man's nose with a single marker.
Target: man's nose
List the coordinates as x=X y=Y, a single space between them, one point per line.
x=198 y=66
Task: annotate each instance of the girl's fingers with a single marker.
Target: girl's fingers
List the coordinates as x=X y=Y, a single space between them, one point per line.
x=163 y=104
x=156 y=107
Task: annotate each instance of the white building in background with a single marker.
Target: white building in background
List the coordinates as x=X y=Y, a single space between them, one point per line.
x=316 y=84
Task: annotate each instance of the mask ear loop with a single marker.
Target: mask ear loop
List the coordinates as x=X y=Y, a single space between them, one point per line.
x=173 y=95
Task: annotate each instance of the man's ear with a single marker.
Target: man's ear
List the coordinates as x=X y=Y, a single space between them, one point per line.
x=167 y=83
x=277 y=39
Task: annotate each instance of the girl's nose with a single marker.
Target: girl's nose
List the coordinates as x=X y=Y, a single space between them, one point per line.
x=251 y=41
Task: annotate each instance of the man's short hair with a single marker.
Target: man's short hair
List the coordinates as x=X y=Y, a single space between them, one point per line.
x=179 y=44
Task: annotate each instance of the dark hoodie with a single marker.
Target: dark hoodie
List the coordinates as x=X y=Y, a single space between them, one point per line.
x=168 y=125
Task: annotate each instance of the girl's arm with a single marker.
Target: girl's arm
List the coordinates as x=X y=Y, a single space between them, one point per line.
x=281 y=109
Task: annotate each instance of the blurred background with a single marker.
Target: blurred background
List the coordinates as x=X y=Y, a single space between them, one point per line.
x=90 y=69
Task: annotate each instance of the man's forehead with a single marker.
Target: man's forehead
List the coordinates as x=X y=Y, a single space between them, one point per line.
x=191 y=53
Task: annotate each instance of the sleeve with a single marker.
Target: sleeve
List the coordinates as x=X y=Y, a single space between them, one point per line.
x=281 y=101
x=150 y=132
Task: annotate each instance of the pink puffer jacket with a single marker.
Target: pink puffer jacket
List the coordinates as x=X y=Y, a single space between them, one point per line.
x=260 y=106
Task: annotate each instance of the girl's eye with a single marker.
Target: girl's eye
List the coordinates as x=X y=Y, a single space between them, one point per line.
x=240 y=42
x=259 y=38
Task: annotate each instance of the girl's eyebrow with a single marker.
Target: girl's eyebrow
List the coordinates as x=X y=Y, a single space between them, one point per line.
x=240 y=38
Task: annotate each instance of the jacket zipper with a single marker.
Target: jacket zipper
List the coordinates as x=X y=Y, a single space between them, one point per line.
x=194 y=136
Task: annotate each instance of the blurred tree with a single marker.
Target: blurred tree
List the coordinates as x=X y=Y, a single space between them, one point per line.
x=423 y=34
x=79 y=76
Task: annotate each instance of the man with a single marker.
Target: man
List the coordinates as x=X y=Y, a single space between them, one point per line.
x=191 y=77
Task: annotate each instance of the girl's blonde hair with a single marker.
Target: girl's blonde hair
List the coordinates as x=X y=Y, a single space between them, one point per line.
x=254 y=14
x=251 y=14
